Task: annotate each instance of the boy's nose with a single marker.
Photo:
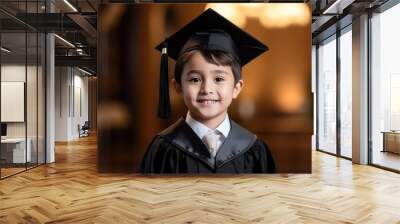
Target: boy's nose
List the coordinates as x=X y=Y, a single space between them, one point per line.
x=207 y=87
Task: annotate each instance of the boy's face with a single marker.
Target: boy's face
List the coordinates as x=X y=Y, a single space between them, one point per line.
x=207 y=89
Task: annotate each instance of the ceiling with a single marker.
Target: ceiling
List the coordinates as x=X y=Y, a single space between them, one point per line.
x=331 y=15
x=76 y=22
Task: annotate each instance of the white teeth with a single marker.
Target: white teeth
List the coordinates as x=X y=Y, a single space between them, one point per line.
x=207 y=102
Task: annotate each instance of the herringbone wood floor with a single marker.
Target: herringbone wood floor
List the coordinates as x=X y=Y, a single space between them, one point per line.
x=71 y=191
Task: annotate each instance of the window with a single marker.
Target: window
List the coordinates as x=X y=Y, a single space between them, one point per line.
x=22 y=78
x=385 y=88
x=327 y=95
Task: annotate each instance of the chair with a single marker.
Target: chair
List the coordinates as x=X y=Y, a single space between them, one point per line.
x=84 y=130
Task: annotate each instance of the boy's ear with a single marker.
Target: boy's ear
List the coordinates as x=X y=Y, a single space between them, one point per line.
x=237 y=88
x=177 y=86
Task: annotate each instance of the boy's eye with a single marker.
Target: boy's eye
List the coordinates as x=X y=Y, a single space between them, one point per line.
x=195 y=80
x=219 y=79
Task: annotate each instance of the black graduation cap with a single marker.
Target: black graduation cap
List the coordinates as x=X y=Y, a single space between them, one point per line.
x=209 y=31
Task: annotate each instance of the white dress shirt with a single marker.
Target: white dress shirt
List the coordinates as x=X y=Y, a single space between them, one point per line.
x=201 y=130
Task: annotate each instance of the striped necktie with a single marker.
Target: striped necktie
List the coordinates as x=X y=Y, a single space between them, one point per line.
x=211 y=139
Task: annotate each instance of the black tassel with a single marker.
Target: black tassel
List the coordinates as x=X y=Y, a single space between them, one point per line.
x=164 y=106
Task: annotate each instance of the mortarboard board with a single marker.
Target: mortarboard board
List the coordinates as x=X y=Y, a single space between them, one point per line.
x=208 y=31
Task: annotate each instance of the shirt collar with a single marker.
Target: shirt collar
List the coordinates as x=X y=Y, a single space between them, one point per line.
x=200 y=129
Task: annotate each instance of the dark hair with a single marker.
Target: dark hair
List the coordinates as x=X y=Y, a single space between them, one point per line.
x=211 y=56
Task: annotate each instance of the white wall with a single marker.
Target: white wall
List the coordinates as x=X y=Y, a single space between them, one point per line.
x=12 y=73
x=61 y=103
x=71 y=94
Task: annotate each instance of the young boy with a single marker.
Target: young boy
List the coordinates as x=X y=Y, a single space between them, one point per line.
x=210 y=52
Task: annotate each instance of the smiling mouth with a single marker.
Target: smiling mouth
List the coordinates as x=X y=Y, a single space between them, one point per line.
x=207 y=101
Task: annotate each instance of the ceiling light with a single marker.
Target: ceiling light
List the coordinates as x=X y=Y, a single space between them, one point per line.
x=337 y=7
x=70 y=5
x=65 y=41
x=5 y=50
x=283 y=15
x=84 y=71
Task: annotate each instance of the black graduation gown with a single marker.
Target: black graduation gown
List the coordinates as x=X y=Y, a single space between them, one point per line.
x=178 y=149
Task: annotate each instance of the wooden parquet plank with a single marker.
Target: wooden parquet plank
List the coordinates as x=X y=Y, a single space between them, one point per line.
x=71 y=191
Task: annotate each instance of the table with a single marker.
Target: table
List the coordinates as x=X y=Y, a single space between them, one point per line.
x=13 y=150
